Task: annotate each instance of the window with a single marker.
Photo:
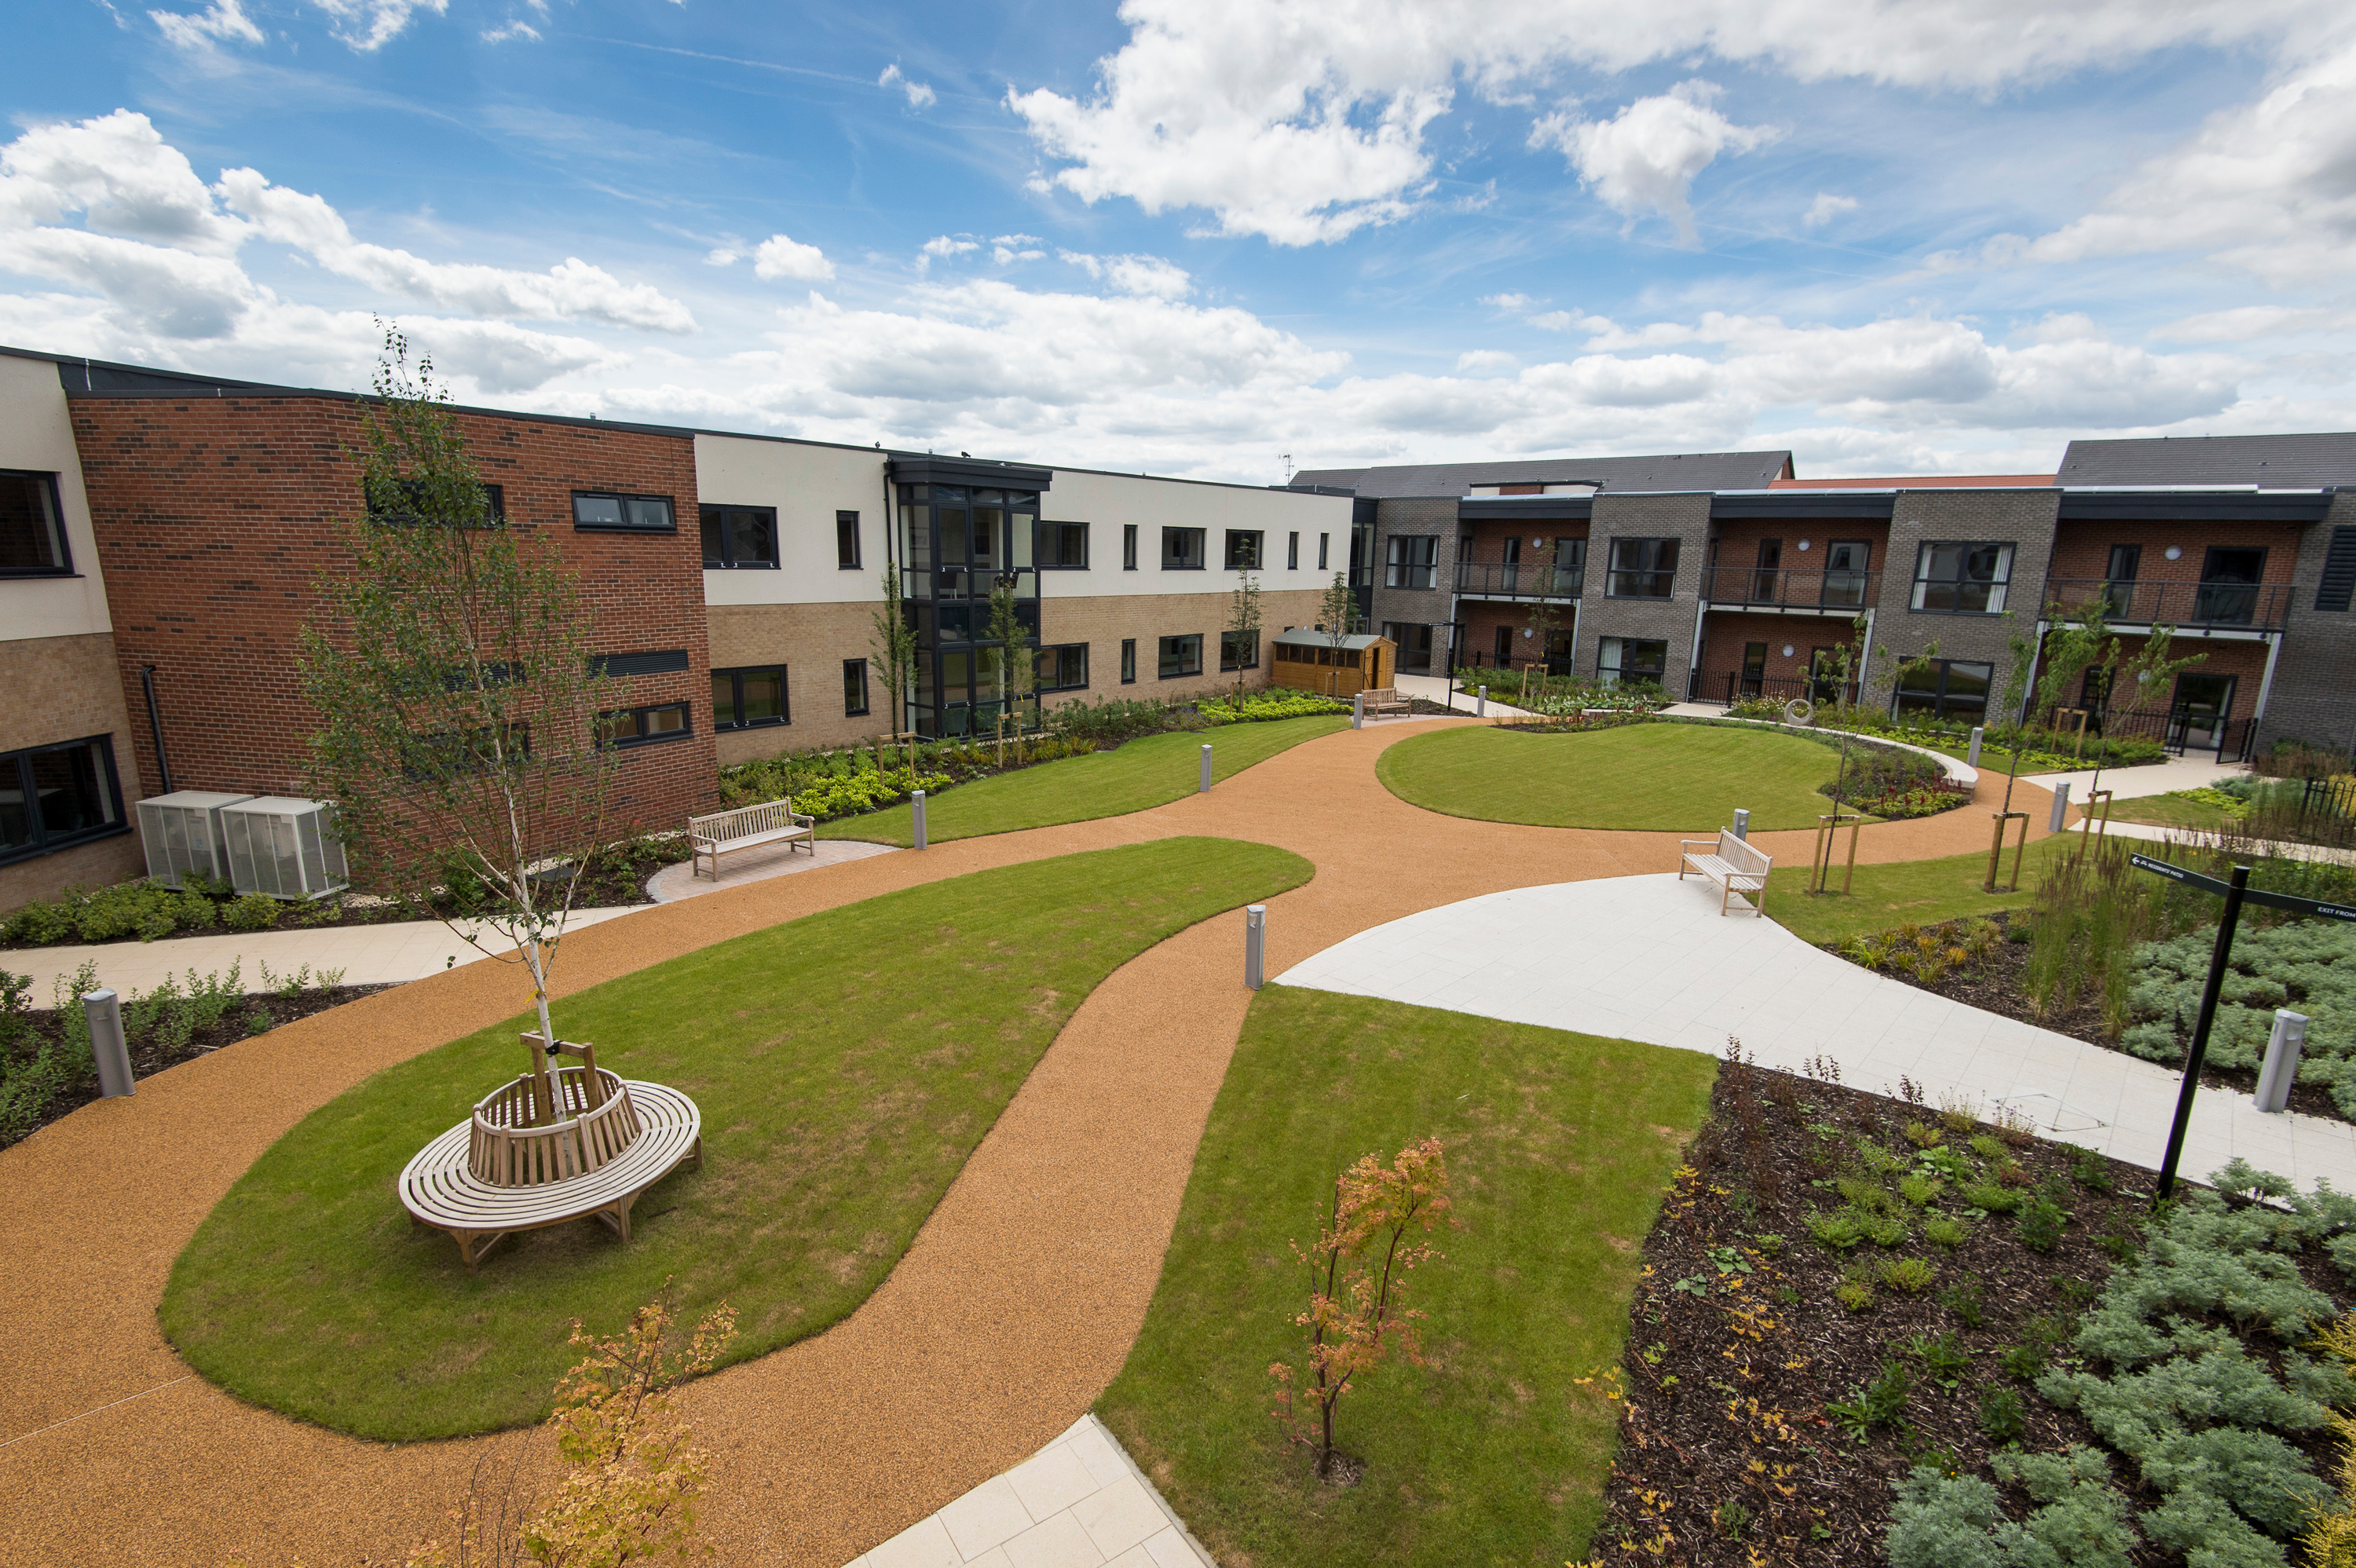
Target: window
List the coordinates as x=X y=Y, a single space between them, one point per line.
x=1505 y=647
x=1128 y=659
x=644 y=726
x=1754 y=668
x=1962 y=579
x=1946 y=688
x=1619 y=659
x=854 y=687
x=1414 y=640
x=1063 y=545
x=406 y=500
x=598 y=509
x=739 y=536
x=1292 y=552
x=55 y=797
x=748 y=699
x=1243 y=550
x=1182 y=549
x=1414 y=562
x=2228 y=585
x=1128 y=546
x=1064 y=667
x=1643 y=569
x=32 y=535
x=1322 y=541
x=846 y=540
x=660 y=661
x=1182 y=656
x=1239 y=650
x=2338 y=586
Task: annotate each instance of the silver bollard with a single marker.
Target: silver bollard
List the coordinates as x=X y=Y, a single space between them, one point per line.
x=1205 y=787
x=1975 y=758
x=2281 y=1068
x=103 y=1008
x=1742 y=822
x=917 y=800
x=1481 y=704
x=2060 y=806
x=1254 y=943
x=1358 y=711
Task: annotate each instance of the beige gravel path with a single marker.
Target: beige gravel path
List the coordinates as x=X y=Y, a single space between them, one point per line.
x=1014 y=1307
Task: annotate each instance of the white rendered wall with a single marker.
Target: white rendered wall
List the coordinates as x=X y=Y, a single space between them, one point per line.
x=37 y=433
x=807 y=484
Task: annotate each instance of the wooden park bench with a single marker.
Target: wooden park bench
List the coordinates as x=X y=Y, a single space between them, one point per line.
x=748 y=827
x=607 y=1141
x=1732 y=864
x=1387 y=700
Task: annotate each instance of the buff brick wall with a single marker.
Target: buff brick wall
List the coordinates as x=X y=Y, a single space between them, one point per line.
x=1103 y=621
x=216 y=517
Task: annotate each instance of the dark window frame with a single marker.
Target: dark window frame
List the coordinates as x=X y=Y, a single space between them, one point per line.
x=1128 y=546
x=1656 y=557
x=45 y=484
x=1623 y=672
x=1178 y=562
x=854 y=688
x=706 y=515
x=670 y=510
x=638 y=710
x=1402 y=565
x=17 y=765
x=736 y=674
x=1129 y=661
x=1161 y=662
x=1998 y=589
x=1323 y=541
x=1253 y=543
x=1063 y=533
x=495 y=502
x=1226 y=641
x=846 y=532
x=1940 y=700
x=1062 y=651
x=1292 y=551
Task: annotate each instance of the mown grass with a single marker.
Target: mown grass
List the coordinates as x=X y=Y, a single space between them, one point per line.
x=1153 y=772
x=1559 y=1144
x=1917 y=893
x=846 y=1065
x=1647 y=776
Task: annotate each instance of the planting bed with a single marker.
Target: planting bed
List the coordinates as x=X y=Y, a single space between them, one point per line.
x=1765 y=1417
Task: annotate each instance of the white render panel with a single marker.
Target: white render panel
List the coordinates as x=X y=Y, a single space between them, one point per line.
x=807 y=484
x=1108 y=501
x=36 y=434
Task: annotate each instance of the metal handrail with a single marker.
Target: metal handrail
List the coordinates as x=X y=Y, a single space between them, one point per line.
x=1792 y=587
x=1516 y=580
x=2261 y=606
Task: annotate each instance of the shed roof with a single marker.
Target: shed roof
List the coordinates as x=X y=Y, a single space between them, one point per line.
x=1311 y=635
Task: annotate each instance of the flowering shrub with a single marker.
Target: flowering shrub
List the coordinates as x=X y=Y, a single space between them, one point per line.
x=860 y=791
x=1897 y=805
x=1259 y=707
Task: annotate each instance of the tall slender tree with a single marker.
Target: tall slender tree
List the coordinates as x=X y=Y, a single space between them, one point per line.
x=1338 y=618
x=894 y=648
x=1243 y=623
x=1015 y=660
x=1544 y=613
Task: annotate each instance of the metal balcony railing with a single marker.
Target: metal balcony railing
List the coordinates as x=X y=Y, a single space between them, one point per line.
x=2260 y=606
x=1771 y=587
x=1509 y=580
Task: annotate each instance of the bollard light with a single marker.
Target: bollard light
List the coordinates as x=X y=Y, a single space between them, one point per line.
x=1358 y=711
x=103 y=1008
x=1742 y=822
x=1481 y=704
x=917 y=800
x=2281 y=1068
x=1255 y=943
x=1205 y=787
x=2061 y=807
x=1975 y=758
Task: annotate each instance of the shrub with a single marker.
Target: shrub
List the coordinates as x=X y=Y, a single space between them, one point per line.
x=1919 y=1189
x=1881 y=1403
x=2040 y=1222
x=1994 y=1197
x=1260 y=707
x=2003 y=1416
x=1837 y=1232
x=1945 y=1232
x=1908 y=1277
x=254 y=912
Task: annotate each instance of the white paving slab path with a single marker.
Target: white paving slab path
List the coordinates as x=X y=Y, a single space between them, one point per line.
x=1650 y=959
x=1079 y=1502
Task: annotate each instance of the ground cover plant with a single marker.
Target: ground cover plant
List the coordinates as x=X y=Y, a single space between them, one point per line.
x=1659 y=776
x=46 y=1068
x=846 y=1063
x=1556 y=1147
x=1145 y=772
x=1846 y=1291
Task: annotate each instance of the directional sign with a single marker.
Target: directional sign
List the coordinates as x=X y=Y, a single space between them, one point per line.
x=2249 y=895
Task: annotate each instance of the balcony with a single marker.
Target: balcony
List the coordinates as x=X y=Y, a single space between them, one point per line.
x=2230 y=607
x=1509 y=579
x=1836 y=592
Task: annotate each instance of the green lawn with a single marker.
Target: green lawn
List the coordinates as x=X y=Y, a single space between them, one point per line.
x=1558 y=1146
x=1154 y=771
x=1655 y=776
x=1917 y=892
x=846 y=1065
x=2172 y=811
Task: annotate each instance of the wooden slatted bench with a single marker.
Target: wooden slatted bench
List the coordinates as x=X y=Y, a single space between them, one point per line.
x=1387 y=700
x=748 y=827
x=495 y=1173
x=1733 y=864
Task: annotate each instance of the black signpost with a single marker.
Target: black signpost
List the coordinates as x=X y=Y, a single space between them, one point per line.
x=2237 y=892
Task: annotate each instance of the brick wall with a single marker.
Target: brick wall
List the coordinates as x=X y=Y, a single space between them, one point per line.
x=1725 y=634
x=215 y=517
x=2023 y=518
x=1685 y=518
x=1433 y=514
x=2314 y=698
x=1102 y=621
x=65 y=689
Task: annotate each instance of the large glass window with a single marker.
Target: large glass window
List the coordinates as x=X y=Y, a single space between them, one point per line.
x=1414 y=562
x=1182 y=655
x=1243 y=550
x=597 y=509
x=1064 y=667
x=32 y=528
x=744 y=698
x=1946 y=688
x=1962 y=579
x=1182 y=549
x=739 y=536
x=1239 y=650
x=1063 y=545
x=52 y=797
x=1643 y=569
x=1619 y=659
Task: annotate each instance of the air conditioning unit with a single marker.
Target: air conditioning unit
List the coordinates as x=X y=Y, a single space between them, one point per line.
x=182 y=833
x=285 y=848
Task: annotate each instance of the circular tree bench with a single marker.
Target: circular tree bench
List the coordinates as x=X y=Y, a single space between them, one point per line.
x=608 y=1140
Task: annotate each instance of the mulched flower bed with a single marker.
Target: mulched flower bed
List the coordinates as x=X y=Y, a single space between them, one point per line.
x=253 y=1016
x=1764 y=1418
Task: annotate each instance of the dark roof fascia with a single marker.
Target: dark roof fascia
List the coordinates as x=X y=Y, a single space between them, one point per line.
x=1473 y=509
x=2196 y=505
x=1876 y=504
x=929 y=469
x=1299 y=489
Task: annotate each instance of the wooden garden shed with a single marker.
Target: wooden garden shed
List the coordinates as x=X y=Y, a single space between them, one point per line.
x=1307 y=659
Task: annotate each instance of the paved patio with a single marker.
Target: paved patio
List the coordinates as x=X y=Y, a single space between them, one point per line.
x=673 y=883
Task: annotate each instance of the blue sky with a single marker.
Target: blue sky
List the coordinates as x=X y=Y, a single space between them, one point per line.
x=1193 y=236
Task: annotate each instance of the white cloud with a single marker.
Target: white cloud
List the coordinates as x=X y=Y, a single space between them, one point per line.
x=944 y=245
x=1480 y=361
x=370 y=25
x=919 y=95
x=1825 y=207
x=1303 y=120
x=216 y=23
x=1149 y=276
x=723 y=256
x=1644 y=158
x=780 y=257
x=1512 y=304
x=515 y=30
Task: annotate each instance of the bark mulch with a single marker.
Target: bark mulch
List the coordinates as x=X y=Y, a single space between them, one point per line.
x=1749 y=1431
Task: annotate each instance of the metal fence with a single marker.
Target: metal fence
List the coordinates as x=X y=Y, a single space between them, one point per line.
x=1792 y=590
x=2261 y=606
x=1513 y=580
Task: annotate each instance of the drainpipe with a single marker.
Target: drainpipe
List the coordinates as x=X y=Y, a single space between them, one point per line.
x=2265 y=686
x=1865 y=661
x=2028 y=687
x=155 y=725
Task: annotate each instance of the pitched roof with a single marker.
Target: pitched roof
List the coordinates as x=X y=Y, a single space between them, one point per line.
x=1674 y=471
x=2272 y=462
